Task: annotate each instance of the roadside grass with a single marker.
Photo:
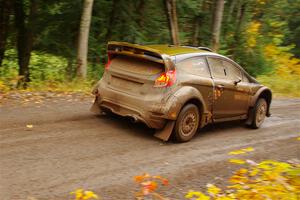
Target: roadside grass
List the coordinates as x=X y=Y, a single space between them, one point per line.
x=282 y=86
x=37 y=93
x=74 y=86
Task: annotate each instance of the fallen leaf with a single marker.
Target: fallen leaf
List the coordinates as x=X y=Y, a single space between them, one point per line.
x=237 y=161
x=29 y=126
x=248 y=149
x=236 y=152
x=241 y=151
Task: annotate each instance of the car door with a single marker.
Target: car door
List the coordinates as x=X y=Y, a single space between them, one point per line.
x=230 y=94
x=241 y=87
x=194 y=72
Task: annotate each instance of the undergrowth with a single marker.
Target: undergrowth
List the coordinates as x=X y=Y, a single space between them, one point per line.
x=288 y=86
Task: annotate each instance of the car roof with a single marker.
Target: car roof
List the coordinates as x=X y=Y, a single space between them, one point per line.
x=173 y=50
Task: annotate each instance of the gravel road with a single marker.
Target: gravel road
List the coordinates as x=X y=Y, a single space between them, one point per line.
x=68 y=148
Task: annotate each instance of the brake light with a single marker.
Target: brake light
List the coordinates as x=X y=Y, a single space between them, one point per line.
x=107 y=64
x=166 y=79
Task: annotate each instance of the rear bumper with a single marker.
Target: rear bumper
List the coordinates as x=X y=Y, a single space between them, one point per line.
x=151 y=111
x=137 y=115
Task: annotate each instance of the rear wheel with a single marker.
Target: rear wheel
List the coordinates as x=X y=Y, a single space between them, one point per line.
x=187 y=123
x=259 y=113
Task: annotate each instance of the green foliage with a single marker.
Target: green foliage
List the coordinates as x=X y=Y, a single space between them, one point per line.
x=48 y=72
x=255 y=64
x=44 y=67
x=248 y=27
x=282 y=85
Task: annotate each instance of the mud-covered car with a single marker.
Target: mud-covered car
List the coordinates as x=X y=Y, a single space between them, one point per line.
x=178 y=89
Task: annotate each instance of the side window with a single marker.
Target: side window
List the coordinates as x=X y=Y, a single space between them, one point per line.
x=233 y=73
x=245 y=79
x=195 y=66
x=217 y=68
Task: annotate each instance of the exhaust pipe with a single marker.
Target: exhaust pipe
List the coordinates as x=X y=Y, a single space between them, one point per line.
x=133 y=119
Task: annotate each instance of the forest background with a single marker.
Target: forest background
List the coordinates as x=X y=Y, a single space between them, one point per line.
x=60 y=45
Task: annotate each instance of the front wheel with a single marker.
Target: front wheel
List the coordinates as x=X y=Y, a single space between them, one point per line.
x=187 y=123
x=259 y=114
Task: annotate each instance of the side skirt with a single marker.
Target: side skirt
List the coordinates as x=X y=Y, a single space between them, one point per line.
x=230 y=118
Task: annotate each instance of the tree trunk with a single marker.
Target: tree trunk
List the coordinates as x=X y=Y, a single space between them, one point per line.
x=198 y=20
x=196 y=31
x=228 y=19
x=83 y=39
x=111 y=20
x=5 y=9
x=239 y=21
x=141 y=11
x=231 y=9
x=24 y=38
x=173 y=22
x=218 y=15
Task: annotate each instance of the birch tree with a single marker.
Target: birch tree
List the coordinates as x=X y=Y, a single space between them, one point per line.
x=217 y=22
x=83 y=38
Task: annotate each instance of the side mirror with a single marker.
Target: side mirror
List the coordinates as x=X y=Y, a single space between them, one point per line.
x=237 y=81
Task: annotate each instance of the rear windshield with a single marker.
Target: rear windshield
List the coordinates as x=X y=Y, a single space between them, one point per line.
x=136 y=65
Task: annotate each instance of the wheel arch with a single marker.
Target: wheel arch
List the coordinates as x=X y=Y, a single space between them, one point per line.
x=265 y=93
x=196 y=102
x=186 y=95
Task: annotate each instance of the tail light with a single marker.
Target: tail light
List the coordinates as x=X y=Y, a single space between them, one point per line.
x=166 y=79
x=107 y=64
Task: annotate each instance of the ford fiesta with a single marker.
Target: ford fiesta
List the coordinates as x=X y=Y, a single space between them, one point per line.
x=178 y=89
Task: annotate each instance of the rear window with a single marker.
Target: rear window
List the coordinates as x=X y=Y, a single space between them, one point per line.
x=195 y=66
x=136 y=65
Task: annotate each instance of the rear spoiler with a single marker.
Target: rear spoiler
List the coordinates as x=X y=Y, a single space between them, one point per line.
x=135 y=50
x=139 y=51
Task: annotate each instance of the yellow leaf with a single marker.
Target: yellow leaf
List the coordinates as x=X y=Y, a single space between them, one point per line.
x=236 y=152
x=241 y=151
x=248 y=149
x=198 y=195
x=212 y=189
x=89 y=195
x=237 y=161
x=254 y=172
x=29 y=126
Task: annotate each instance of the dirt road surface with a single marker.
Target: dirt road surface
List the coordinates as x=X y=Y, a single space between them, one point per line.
x=68 y=148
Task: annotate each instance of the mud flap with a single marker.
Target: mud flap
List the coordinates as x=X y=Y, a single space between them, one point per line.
x=95 y=107
x=250 y=117
x=165 y=133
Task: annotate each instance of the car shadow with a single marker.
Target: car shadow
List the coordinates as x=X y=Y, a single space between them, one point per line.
x=137 y=129
x=221 y=127
x=142 y=131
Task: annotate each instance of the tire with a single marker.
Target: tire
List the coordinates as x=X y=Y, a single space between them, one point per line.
x=187 y=123
x=259 y=113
